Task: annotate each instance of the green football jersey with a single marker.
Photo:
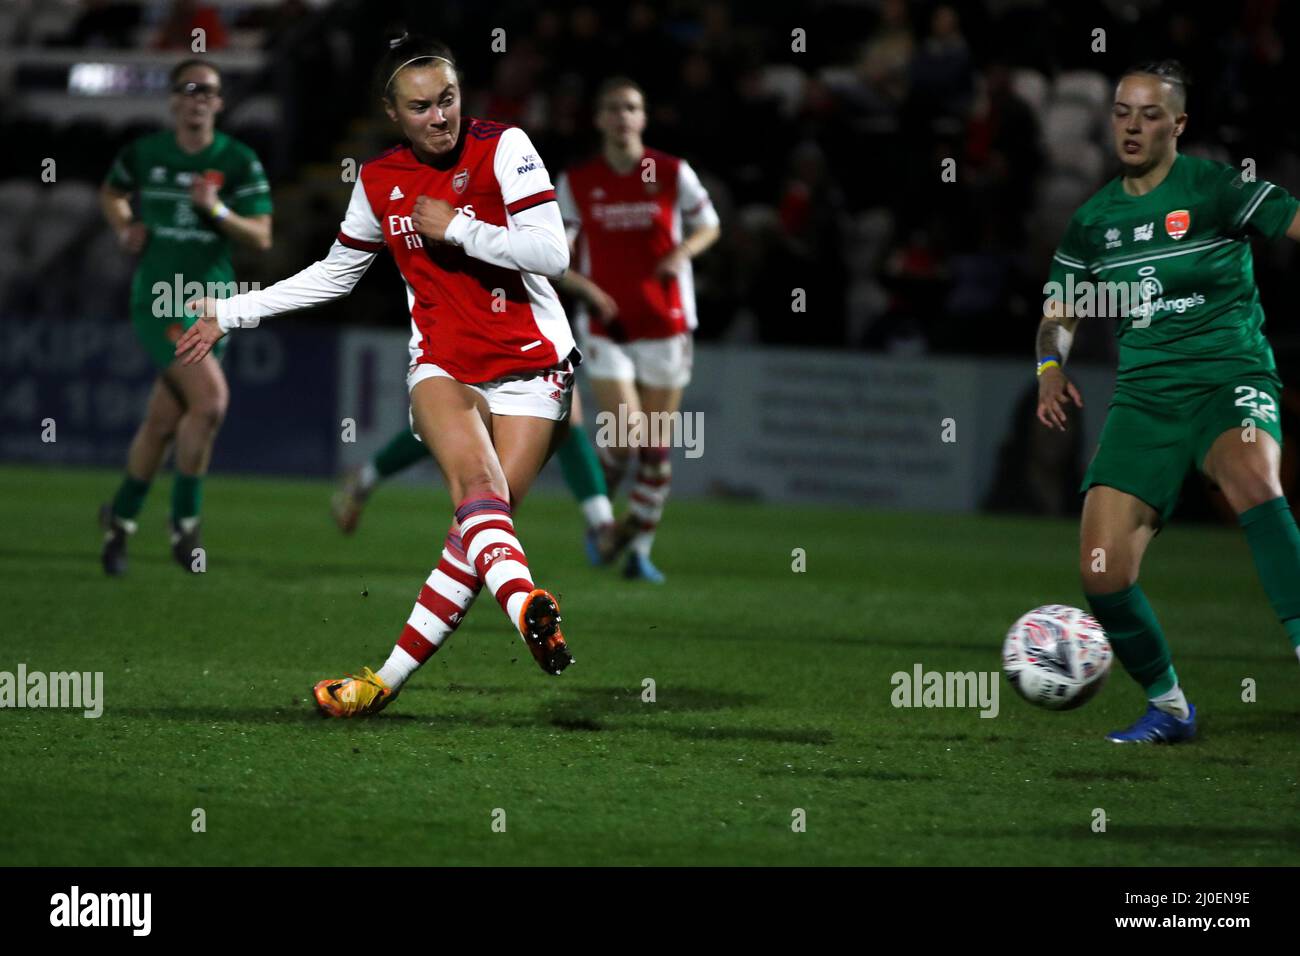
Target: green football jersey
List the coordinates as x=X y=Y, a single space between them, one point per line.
x=183 y=240
x=1173 y=268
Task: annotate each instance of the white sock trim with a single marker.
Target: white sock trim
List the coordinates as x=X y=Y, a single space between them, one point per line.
x=598 y=511
x=399 y=666
x=1173 y=701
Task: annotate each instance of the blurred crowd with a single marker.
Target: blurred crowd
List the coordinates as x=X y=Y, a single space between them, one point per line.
x=909 y=164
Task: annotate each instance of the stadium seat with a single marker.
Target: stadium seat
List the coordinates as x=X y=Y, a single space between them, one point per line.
x=1086 y=87
x=1069 y=122
x=1064 y=190
x=66 y=214
x=1070 y=129
x=1032 y=87
x=51 y=22
x=9 y=22
x=1084 y=159
x=18 y=197
x=787 y=84
x=261 y=110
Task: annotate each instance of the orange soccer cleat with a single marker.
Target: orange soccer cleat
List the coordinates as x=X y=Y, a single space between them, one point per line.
x=353 y=695
x=539 y=623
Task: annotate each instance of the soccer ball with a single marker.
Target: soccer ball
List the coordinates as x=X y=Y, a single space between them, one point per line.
x=1056 y=657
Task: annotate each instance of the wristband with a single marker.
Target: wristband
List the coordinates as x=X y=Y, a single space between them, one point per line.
x=220 y=211
x=1050 y=362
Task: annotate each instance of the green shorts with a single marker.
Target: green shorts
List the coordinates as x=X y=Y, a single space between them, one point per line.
x=1148 y=446
x=159 y=335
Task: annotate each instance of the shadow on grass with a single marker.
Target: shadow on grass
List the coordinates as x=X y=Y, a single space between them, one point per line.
x=1108 y=775
x=581 y=709
x=592 y=708
x=1224 y=722
x=854 y=773
x=303 y=713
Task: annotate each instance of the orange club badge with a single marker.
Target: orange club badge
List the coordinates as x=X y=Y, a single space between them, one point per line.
x=1177 y=223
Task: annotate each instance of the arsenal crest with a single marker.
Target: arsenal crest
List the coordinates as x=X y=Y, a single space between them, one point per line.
x=1177 y=223
x=460 y=181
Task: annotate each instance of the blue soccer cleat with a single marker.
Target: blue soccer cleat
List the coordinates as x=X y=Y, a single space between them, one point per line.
x=639 y=568
x=600 y=543
x=1157 y=727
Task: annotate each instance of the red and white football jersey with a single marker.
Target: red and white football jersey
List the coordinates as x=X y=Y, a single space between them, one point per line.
x=624 y=225
x=477 y=320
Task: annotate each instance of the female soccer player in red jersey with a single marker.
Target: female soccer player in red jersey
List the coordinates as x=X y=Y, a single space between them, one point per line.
x=468 y=211
x=627 y=208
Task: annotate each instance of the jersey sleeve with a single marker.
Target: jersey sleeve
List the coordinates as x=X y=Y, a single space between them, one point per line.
x=323 y=281
x=333 y=277
x=250 y=194
x=569 y=212
x=361 y=229
x=533 y=239
x=1069 y=262
x=693 y=199
x=121 y=175
x=1256 y=208
x=525 y=183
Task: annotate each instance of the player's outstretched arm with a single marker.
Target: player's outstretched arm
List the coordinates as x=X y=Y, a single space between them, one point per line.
x=360 y=238
x=1055 y=390
x=323 y=281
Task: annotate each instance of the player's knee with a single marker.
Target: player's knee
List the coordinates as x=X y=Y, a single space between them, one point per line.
x=211 y=413
x=158 y=430
x=479 y=482
x=1103 y=569
x=1250 y=485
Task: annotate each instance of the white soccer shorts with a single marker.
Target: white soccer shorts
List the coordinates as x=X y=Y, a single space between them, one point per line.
x=660 y=363
x=544 y=394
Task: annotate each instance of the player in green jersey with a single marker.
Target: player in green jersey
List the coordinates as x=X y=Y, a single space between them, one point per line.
x=197 y=191
x=1164 y=249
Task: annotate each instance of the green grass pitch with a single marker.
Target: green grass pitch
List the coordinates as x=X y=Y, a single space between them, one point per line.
x=772 y=694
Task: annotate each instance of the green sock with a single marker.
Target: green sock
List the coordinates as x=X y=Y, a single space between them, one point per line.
x=187 y=496
x=130 y=497
x=403 y=451
x=1136 y=637
x=581 y=467
x=1274 y=540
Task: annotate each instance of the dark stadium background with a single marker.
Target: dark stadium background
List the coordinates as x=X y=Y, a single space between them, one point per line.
x=824 y=164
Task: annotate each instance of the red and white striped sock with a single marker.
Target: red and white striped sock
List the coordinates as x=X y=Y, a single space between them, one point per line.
x=443 y=602
x=645 y=504
x=614 y=466
x=496 y=554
